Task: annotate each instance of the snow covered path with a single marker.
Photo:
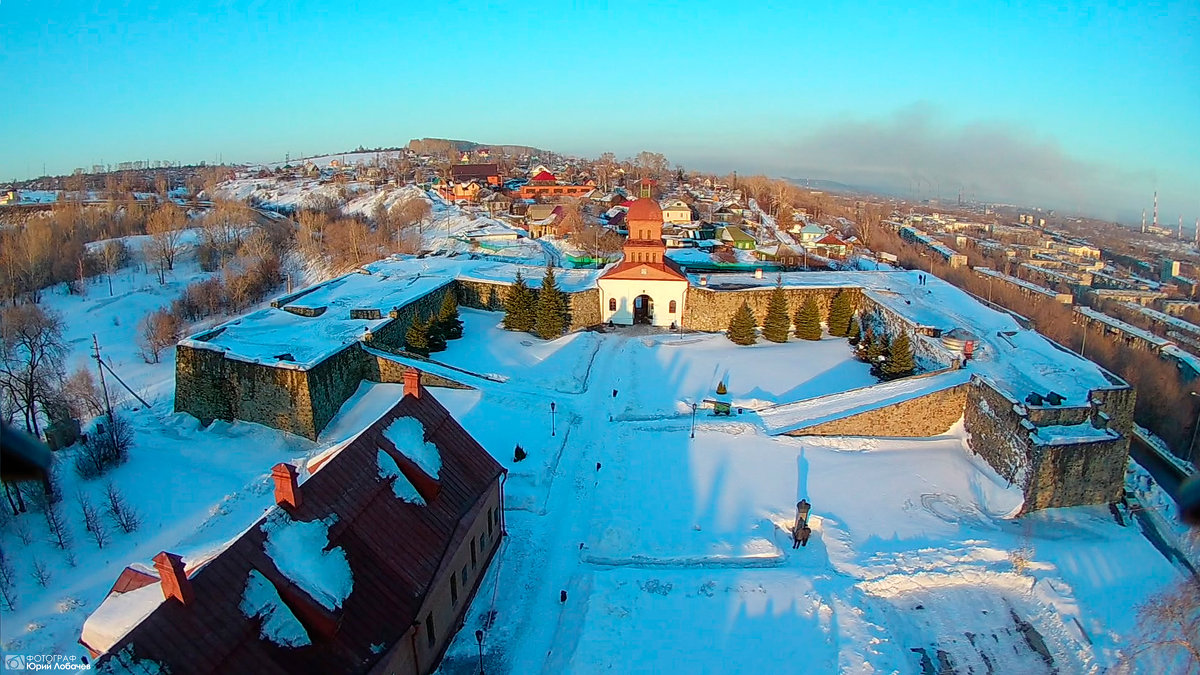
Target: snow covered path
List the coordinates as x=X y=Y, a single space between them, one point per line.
x=686 y=562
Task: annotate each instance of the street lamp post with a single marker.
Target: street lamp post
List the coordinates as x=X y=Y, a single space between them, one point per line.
x=693 y=420
x=479 y=639
x=552 y=418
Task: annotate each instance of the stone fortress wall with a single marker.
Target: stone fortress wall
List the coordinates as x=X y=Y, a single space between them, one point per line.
x=209 y=385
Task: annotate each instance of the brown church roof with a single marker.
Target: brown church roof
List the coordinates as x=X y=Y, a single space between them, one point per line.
x=645 y=209
x=393 y=547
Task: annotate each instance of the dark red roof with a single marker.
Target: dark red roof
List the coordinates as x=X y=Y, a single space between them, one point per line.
x=463 y=172
x=394 y=549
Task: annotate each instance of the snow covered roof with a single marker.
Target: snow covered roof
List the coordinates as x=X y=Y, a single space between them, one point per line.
x=1015 y=359
x=306 y=589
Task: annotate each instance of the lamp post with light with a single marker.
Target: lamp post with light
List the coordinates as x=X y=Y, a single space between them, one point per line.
x=551 y=418
x=693 y=420
x=479 y=639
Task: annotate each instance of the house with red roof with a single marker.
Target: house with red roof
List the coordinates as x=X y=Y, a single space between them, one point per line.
x=830 y=246
x=546 y=185
x=366 y=563
x=646 y=286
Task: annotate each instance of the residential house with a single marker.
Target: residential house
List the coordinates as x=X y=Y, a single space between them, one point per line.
x=487 y=174
x=544 y=219
x=677 y=211
x=810 y=232
x=737 y=238
x=459 y=193
x=8 y=196
x=497 y=203
x=545 y=185
x=830 y=246
x=367 y=566
x=727 y=213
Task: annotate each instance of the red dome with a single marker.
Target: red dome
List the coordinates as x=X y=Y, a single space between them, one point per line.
x=645 y=209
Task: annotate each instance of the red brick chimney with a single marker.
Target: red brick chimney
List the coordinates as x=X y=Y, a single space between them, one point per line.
x=287 y=492
x=412 y=382
x=175 y=583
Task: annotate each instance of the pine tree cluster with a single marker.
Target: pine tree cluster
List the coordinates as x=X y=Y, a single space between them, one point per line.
x=741 y=326
x=840 y=314
x=428 y=335
x=553 y=311
x=545 y=312
x=808 y=320
x=777 y=323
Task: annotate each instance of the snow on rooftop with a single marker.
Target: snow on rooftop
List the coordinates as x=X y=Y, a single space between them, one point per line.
x=1015 y=359
x=119 y=614
x=261 y=599
x=298 y=549
x=1069 y=434
x=408 y=435
x=282 y=338
x=401 y=486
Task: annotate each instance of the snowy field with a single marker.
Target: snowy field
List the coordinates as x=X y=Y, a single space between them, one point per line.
x=673 y=550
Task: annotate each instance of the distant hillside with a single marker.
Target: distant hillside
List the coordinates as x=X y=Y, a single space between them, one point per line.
x=820 y=184
x=430 y=146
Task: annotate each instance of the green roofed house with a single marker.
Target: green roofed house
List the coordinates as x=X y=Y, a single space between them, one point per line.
x=737 y=238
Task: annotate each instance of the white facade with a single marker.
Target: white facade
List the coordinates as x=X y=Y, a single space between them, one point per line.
x=618 y=297
x=677 y=212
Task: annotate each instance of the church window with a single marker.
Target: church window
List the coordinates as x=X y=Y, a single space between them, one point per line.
x=612 y=304
x=671 y=307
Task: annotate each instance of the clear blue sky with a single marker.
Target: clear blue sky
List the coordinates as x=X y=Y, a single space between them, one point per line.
x=1111 y=93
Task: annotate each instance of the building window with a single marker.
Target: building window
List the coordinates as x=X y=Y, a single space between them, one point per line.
x=671 y=307
x=453 y=590
x=430 y=638
x=474 y=560
x=612 y=307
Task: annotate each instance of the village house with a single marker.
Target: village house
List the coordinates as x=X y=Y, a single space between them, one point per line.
x=367 y=565
x=459 y=193
x=545 y=185
x=544 y=219
x=738 y=238
x=830 y=246
x=810 y=232
x=677 y=211
x=486 y=174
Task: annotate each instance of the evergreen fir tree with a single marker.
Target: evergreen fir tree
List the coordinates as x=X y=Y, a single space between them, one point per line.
x=553 y=317
x=876 y=348
x=741 y=326
x=840 y=314
x=520 y=311
x=416 y=340
x=493 y=300
x=808 y=320
x=435 y=335
x=451 y=325
x=864 y=345
x=777 y=323
x=900 y=362
x=854 y=334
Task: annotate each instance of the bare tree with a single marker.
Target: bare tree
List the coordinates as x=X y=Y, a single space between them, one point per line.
x=1169 y=629
x=83 y=395
x=122 y=513
x=165 y=226
x=56 y=523
x=8 y=581
x=92 y=521
x=104 y=450
x=23 y=533
x=32 y=351
x=160 y=329
x=40 y=573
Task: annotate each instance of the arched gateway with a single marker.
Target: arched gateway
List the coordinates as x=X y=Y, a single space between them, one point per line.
x=646 y=286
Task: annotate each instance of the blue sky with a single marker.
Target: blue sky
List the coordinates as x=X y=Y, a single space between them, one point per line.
x=1079 y=106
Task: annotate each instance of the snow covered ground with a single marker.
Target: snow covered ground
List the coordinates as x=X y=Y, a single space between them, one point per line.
x=673 y=550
